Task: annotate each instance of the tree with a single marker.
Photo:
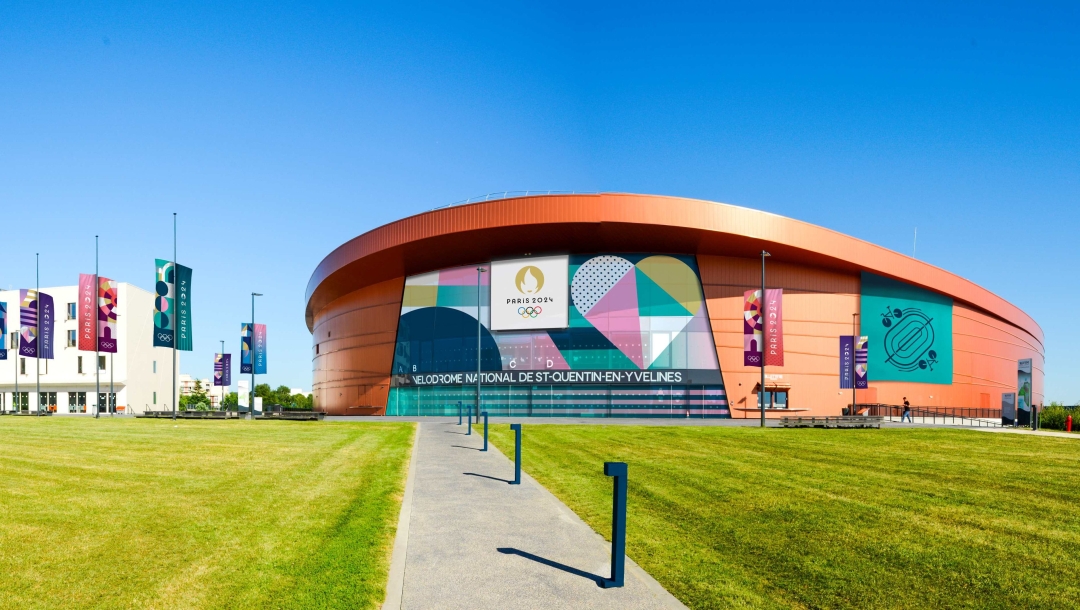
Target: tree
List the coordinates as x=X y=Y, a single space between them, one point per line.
x=282 y=396
x=196 y=400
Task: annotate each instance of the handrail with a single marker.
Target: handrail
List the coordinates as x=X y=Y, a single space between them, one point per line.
x=509 y=194
x=933 y=414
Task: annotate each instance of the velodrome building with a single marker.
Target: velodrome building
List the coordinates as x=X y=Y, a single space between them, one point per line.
x=615 y=305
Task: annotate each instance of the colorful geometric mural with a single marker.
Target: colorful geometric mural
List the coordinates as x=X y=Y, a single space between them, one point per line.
x=628 y=313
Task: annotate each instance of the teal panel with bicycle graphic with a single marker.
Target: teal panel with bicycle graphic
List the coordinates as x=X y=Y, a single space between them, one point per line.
x=910 y=331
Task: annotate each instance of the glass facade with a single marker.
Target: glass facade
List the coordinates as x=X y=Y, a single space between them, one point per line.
x=638 y=341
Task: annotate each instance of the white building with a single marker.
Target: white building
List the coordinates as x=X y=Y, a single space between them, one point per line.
x=139 y=372
x=216 y=394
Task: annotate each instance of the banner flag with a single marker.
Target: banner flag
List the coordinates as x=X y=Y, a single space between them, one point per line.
x=774 y=327
x=107 y=301
x=28 y=321
x=46 y=321
x=223 y=370
x=847 y=361
x=245 y=349
x=3 y=330
x=752 y=328
x=183 y=308
x=164 y=297
x=86 y=313
x=861 y=361
x=260 y=349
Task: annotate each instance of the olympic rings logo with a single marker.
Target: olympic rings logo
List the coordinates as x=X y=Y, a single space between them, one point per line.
x=164 y=337
x=529 y=312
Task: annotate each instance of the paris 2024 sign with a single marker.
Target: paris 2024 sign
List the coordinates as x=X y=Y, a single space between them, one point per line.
x=910 y=331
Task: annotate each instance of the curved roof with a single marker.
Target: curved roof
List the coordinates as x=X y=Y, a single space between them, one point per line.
x=618 y=222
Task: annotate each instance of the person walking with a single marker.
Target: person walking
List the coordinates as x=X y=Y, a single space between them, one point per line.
x=907 y=412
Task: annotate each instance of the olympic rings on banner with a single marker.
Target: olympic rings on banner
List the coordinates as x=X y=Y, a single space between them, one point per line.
x=529 y=312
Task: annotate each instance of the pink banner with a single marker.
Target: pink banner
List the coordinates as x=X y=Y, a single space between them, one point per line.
x=774 y=327
x=86 y=313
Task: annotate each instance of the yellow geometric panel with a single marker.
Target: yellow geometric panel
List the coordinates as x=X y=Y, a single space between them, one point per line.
x=420 y=296
x=675 y=277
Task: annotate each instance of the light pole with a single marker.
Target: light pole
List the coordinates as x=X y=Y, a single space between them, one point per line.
x=479 y=271
x=761 y=314
x=37 y=339
x=251 y=411
x=854 y=348
x=97 y=332
x=223 y=408
x=176 y=328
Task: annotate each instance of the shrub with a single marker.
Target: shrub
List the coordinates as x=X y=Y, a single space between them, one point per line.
x=1053 y=417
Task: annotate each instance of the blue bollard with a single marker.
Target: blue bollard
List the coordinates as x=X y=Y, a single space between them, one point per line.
x=468 y=431
x=618 y=524
x=485 y=431
x=517 y=453
x=459 y=412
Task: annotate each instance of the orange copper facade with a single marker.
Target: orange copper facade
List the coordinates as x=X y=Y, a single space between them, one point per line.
x=354 y=296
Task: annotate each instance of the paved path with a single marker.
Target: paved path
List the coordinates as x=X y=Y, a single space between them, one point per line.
x=474 y=541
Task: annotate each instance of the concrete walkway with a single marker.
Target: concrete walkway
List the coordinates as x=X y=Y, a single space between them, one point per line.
x=474 y=541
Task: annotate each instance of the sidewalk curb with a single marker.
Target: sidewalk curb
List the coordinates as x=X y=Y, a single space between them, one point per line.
x=395 y=583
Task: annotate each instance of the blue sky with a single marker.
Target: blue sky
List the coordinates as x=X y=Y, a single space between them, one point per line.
x=279 y=131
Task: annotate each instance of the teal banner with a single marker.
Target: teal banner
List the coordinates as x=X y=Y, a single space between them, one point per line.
x=183 y=308
x=910 y=332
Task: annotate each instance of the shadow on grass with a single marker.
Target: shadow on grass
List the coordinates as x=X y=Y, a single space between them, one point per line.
x=484 y=476
x=552 y=564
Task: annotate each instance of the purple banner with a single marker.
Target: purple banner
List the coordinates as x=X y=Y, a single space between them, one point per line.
x=28 y=318
x=223 y=370
x=861 y=354
x=46 y=324
x=3 y=331
x=108 y=298
x=847 y=360
x=753 y=328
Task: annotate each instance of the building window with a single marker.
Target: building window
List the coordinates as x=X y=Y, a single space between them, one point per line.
x=155 y=367
x=71 y=338
x=79 y=363
x=101 y=363
x=71 y=311
x=22 y=366
x=316 y=349
x=14 y=344
x=155 y=398
x=76 y=402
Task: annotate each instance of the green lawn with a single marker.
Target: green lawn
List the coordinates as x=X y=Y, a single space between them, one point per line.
x=149 y=514
x=893 y=518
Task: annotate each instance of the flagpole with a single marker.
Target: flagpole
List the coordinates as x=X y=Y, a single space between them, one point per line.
x=174 y=320
x=97 y=331
x=222 y=386
x=37 y=339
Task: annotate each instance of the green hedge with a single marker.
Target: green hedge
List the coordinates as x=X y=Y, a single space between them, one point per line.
x=1053 y=417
